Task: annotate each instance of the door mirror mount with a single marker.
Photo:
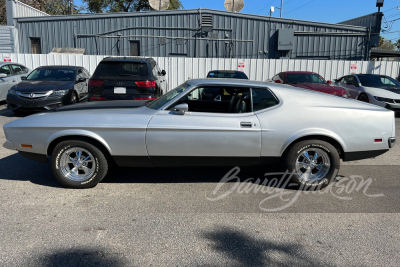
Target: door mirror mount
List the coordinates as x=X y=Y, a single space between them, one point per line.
x=23 y=78
x=181 y=109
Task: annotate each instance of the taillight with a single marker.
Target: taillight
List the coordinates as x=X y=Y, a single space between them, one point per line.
x=96 y=98
x=146 y=83
x=96 y=83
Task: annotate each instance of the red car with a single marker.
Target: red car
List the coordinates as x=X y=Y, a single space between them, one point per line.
x=309 y=80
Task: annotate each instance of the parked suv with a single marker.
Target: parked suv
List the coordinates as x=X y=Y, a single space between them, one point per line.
x=127 y=78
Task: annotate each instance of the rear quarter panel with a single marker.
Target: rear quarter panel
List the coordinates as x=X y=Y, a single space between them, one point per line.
x=353 y=124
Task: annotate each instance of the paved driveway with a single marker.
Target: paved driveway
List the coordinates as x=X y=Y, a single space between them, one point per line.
x=185 y=217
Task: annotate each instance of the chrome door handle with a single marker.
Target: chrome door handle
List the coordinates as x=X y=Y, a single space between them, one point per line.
x=245 y=124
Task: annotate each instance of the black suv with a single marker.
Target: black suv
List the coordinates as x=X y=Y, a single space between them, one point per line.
x=127 y=78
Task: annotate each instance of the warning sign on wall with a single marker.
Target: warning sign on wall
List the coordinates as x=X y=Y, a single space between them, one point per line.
x=241 y=66
x=353 y=68
x=7 y=58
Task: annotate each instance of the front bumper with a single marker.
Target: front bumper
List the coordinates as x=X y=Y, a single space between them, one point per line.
x=392 y=106
x=9 y=145
x=15 y=102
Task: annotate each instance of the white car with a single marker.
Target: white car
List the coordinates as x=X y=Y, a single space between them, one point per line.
x=10 y=75
x=380 y=90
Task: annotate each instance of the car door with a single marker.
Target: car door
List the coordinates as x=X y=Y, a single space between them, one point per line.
x=18 y=72
x=203 y=138
x=350 y=83
x=6 y=82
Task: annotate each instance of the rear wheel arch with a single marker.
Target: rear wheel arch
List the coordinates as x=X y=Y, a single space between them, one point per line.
x=325 y=138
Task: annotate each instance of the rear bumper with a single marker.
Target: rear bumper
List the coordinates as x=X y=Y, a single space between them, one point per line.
x=121 y=97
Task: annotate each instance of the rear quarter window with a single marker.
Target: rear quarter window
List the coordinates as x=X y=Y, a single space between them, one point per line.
x=262 y=99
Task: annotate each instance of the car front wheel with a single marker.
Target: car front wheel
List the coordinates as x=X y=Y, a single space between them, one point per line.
x=312 y=163
x=78 y=164
x=363 y=98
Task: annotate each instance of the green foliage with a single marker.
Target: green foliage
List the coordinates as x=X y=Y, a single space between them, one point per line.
x=386 y=44
x=102 y=6
x=3 y=15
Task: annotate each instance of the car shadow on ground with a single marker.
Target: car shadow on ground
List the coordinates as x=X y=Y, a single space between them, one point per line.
x=16 y=167
x=246 y=250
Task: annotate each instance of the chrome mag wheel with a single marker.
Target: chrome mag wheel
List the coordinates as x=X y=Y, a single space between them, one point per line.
x=312 y=165
x=77 y=164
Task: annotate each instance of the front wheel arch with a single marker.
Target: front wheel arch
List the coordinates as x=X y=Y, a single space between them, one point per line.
x=90 y=140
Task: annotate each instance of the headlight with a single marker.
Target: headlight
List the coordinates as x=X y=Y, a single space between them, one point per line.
x=12 y=92
x=60 y=92
x=382 y=99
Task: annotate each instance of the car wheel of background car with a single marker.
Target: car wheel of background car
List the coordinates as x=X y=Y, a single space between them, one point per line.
x=363 y=98
x=74 y=98
x=313 y=163
x=78 y=164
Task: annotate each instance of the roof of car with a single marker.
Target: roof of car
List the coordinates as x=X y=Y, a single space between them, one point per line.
x=228 y=82
x=299 y=72
x=226 y=71
x=5 y=63
x=59 y=67
x=127 y=59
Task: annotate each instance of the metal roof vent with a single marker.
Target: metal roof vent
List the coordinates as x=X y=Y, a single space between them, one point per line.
x=206 y=22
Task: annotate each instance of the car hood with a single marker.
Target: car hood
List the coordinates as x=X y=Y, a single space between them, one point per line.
x=42 y=86
x=89 y=115
x=324 y=88
x=381 y=92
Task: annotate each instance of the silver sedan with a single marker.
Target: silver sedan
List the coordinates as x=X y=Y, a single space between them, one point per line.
x=248 y=123
x=10 y=75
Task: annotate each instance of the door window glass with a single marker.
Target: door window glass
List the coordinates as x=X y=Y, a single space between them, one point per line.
x=18 y=70
x=218 y=100
x=6 y=69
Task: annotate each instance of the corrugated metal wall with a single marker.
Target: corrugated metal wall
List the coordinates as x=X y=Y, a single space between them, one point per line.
x=181 y=69
x=233 y=35
x=6 y=39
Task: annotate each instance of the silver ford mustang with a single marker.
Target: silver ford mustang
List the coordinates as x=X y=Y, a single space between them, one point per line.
x=207 y=122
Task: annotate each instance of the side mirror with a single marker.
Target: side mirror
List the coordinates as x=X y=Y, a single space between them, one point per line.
x=181 y=109
x=23 y=78
x=329 y=81
x=3 y=75
x=81 y=80
x=163 y=72
x=278 y=81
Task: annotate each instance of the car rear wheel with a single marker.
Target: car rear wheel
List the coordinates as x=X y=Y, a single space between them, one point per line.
x=363 y=98
x=313 y=164
x=78 y=164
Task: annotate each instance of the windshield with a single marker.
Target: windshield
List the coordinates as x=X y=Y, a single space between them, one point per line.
x=304 y=78
x=379 y=81
x=227 y=74
x=115 y=68
x=52 y=74
x=158 y=103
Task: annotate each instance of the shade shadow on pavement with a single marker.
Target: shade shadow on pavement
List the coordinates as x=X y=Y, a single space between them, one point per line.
x=80 y=257
x=246 y=250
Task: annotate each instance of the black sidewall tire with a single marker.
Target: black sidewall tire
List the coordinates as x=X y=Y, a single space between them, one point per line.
x=363 y=95
x=101 y=164
x=289 y=163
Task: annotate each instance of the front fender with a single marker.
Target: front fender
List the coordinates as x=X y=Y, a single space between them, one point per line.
x=84 y=133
